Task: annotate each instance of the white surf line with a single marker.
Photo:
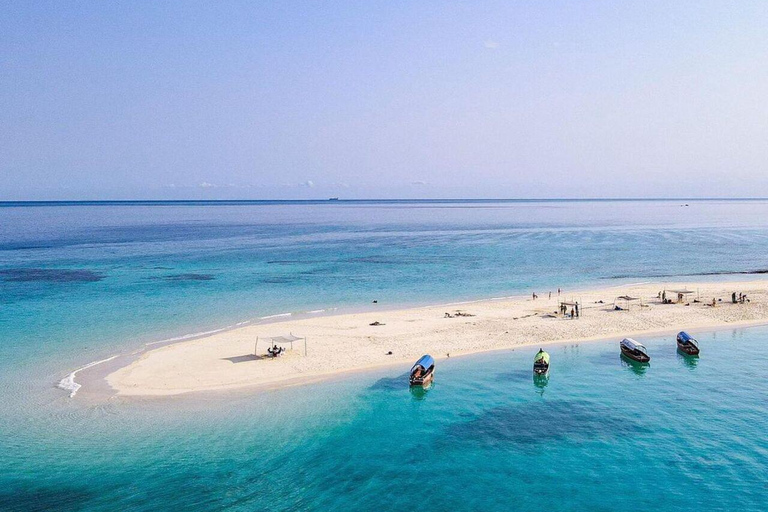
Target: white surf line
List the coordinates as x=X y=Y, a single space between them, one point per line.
x=198 y=334
x=68 y=383
x=202 y=334
x=318 y=311
x=275 y=316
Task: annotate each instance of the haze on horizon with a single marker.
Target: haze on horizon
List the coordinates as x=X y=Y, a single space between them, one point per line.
x=383 y=99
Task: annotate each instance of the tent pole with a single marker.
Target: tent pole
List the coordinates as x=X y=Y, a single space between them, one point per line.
x=305 y=346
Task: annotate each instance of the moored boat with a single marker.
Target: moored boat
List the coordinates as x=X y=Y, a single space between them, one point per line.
x=687 y=344
x=541 y=363
x=634 y=350
x=423 y=371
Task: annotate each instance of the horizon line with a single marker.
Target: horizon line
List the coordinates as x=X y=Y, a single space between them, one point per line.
x=332 y=200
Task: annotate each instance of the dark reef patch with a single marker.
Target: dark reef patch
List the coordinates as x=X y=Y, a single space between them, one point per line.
x=187 y=277
x=390 y=383
x=515 y=375
x=278 y=280
x=50 y=275
x=533 y=423
x=375 y=259
x=295 y=262
x=716 y=273
x=33 y=498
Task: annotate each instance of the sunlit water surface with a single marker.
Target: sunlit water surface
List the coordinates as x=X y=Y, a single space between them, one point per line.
x=81 y=283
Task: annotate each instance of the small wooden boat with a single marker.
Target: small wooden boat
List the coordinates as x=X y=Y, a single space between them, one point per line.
x=634 y=350
x=687 y=344
x=423 y=371
x=541 y=363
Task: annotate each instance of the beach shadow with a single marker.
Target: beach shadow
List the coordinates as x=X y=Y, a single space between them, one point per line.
x=243 y=358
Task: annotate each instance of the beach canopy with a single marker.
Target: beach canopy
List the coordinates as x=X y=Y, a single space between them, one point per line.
x=683 y=292
x=287 y=338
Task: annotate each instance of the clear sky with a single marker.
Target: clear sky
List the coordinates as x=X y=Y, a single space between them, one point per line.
x=367 y=99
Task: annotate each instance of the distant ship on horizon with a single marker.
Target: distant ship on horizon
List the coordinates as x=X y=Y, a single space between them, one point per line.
x=333 y=198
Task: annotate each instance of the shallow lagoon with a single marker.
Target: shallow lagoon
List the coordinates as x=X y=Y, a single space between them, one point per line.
x=80 y=283
x=600 y=434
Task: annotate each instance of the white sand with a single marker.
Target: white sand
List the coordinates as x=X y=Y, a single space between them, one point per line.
x=344 y=343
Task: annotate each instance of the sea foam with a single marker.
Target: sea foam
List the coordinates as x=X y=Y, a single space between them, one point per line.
x=68 y=383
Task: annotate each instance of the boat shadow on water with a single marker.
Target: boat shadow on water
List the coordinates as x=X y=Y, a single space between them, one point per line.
x=687 y=360
x=420 y=392
x=636 y=367
x=540 y=382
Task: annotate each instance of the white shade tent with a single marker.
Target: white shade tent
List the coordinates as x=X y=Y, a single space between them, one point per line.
x=277 y=340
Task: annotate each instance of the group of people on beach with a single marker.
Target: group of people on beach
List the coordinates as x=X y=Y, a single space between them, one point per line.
x=563 y=306
x=664 y=300
x=740 y=300
x=574 y=310
x=535 y=295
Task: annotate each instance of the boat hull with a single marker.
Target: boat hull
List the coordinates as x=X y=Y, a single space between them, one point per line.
x=688 y=349
x=635 y=356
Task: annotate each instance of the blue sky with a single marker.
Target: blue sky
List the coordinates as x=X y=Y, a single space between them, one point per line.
x=383 y=99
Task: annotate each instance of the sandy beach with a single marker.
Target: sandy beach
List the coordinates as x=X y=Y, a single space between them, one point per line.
x=348 y=342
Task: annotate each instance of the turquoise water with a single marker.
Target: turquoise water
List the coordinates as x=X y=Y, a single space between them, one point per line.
x=601 y=434
x=82 y=282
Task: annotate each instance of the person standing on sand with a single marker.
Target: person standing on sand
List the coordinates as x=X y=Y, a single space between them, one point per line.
x=550 y=295
x=572 y=313
x=558 y=292
x=733 y=297
x=577 y=310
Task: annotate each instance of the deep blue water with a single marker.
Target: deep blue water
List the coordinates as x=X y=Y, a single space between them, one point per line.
x=82 y=282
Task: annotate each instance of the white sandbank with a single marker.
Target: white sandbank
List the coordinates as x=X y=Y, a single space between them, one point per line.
x=347 y=342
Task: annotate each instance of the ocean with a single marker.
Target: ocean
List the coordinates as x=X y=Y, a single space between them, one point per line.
x=81 y=282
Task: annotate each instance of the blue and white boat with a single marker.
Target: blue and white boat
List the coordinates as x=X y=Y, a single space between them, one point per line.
x=423 y=371
x=634 y=350
x=687 y=344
